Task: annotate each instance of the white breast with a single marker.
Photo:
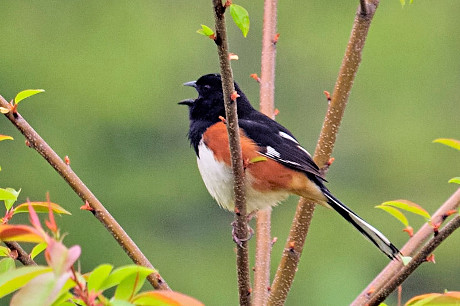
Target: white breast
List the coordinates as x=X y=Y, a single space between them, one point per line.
x=218 y=178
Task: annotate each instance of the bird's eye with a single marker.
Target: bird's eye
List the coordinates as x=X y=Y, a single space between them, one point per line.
x=207 y=86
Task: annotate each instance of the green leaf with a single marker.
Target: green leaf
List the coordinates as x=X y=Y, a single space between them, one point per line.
x=455 y=180
x=38 y=249
x=98 y=277
x=395 y=213
x=4 y=251
x=240 y=17
x=409 y=206
x=116 y=302
x=9 y=202
x=15 y=279
x=6 y=265
x=26 y=93
x=205 y=30
x=119 y=274
x=453 y=143
x=257 y=159
x=41 y=207
x=127 y=287
x=7 y=194
x=5 y=137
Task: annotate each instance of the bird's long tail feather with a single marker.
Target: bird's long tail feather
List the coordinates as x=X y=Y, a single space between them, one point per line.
x=365 y=228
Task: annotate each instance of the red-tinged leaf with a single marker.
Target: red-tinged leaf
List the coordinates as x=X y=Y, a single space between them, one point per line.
x=41 y=207
x=395 y=213
x=26 y=93
x=430 y=258
x=409 y=230
x=33 y=217
x=38 y=249
x=409 y=206
x=16 y=278
x=42 y=290
x=5 y=137
x=447 y=298
x=22 y=233
x=455 y=180
x=453 y=143
x=164 y=297
x=60 y=258
x=234 y=95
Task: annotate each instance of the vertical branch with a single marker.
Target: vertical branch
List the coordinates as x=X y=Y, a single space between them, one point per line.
x=304 y=213
x=267 y=106
x=241 y=222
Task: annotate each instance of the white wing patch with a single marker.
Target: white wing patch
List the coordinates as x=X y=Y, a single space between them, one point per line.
x=303 y=149
x=287 y=136
x=272 y=152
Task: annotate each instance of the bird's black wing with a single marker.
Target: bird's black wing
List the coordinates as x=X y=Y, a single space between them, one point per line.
x=278 y=143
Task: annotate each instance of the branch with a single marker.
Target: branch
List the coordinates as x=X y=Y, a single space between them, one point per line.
x=241 y=221
x=416 y=261
x=38 y=144
x=382 y=280
x=304 y=213
x=23 y=257
x=267 y=107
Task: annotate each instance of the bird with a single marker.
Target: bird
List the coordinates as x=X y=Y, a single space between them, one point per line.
x=275 y=164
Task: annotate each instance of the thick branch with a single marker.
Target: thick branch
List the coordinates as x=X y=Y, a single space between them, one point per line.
x=267 y=107
x=241 y=222
x=410 y=249
x=99 y=211
x=23 y=257
x=299 y=229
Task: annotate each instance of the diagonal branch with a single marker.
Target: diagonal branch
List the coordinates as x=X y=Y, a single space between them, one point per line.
x=420 y=258
x=410 y=249
x=304 y=213
x=267 y=106
x=23 y=257
x=38 y=144
x=241 y=221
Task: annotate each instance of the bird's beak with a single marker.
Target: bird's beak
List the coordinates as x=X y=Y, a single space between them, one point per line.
x=188 y=102
x=191 y=84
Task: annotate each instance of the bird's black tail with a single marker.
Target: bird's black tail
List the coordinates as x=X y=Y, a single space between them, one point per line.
x=365 y=228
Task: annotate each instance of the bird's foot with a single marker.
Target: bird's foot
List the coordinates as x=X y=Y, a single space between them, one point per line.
x=239 y=241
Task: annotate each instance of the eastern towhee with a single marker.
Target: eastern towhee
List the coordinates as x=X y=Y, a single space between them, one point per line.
x=281 y=165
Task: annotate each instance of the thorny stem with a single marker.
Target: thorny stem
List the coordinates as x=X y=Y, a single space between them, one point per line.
x=241 y=222
x=38 y=144
x=23 y=257
x=267 y=107
x=410 y=249
x=304 y=213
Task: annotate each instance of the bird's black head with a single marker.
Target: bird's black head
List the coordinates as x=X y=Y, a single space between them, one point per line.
x=210 y=102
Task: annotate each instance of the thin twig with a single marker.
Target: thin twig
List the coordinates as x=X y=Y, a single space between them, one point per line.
x=409 y=249
x=299 y=229
x=38 y=144
x=23 y=257
x=420 y=258
x=241 y=221
x=267 y=107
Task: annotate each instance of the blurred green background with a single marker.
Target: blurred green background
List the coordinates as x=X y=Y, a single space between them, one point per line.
x=113 y=74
